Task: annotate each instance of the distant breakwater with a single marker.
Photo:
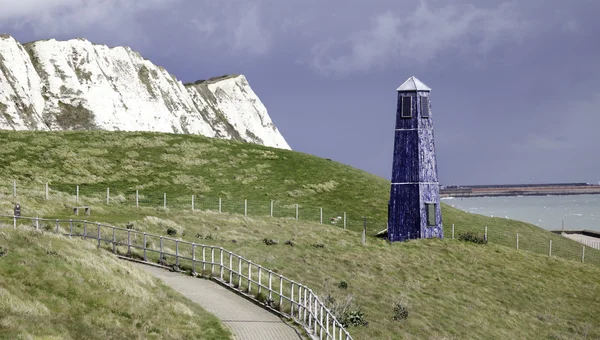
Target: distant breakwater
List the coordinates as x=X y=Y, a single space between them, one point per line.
x=520 y=190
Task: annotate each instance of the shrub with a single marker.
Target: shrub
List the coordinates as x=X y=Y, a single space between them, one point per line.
x=472 y=237
x=3 y=251
x=269 y=242
x=318 y=245
x=171 y=231
x=129 y=225
x=400 y=312
x=289 y=243
x=343 y=284
x=354 y=317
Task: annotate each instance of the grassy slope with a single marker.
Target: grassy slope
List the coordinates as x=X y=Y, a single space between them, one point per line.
x=451 y=288
x=55 y=288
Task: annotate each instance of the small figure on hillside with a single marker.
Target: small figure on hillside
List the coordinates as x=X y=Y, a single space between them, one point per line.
x=17 y=210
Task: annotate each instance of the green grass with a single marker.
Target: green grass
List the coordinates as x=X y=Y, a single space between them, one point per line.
x=55 y=288
x=451 y=289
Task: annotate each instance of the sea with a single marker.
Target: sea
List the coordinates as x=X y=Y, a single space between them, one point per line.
x=548 y=212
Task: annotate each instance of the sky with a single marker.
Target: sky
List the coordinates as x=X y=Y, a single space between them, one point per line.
x=515 y=84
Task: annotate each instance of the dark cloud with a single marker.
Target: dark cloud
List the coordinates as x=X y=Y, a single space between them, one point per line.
x=516 y=86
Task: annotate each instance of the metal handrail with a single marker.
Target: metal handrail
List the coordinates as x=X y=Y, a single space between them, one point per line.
x=305 y=307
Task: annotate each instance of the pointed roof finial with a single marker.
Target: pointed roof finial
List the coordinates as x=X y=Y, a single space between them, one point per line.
x=413 y=84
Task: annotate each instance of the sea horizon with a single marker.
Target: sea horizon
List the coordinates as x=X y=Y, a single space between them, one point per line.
x=579 y=212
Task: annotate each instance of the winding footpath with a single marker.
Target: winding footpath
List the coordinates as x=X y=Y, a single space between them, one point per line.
x=246 y=320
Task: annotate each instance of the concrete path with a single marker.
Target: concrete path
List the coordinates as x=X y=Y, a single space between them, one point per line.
x=245 y=319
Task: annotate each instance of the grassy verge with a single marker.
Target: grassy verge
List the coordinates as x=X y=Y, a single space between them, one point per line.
x=445 y=288
x=55 y=288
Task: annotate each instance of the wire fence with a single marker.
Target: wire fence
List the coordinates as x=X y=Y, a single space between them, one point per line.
x=551 y=244
x=83 y=195
x=273 y=291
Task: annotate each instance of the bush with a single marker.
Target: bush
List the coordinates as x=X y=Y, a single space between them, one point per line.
x=400 y=312
x=318 y=245
x=129 y=225
x=171 y=231
x=472 y=237
x=343 y=284
x=269 y=242
x=354 y=317
x=289 y=243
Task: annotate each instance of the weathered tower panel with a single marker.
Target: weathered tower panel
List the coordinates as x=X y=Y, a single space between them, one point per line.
x=414 y=207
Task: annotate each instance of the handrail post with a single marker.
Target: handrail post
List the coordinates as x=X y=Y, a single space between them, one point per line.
x=239 y=273
x=160 y=257
x=177 y=253
x=270 y=286
x=221 y=273
x=245 y=207
x=99 y=236
x=271 y=208
x=165 y=200
x=212 y=261
x=550 y=249
x=192 y=202
x=145 y=246
x=292 y=304
x=296 y=211
x=37 y=223
x=281 y=293
x=14 y=221
x=84 y=229
x=57 y=225
x=582 y=254
x=203 y=258
x=517 y=240
x=128 y=242
x=230 y=268
x=249 y=277
x=219 y=205
x=137 y=199
x=193 y=257
x=114 y=240
x=259 y=279
x=71 y=228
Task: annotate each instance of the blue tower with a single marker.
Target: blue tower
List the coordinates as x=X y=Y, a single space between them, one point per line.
x=414 y=208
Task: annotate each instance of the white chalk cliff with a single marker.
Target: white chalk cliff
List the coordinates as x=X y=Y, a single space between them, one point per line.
x=74 y=84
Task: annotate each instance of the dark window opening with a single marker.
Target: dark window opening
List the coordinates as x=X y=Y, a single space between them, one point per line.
x=425 y=107
x=406 y=107
x=431 y=216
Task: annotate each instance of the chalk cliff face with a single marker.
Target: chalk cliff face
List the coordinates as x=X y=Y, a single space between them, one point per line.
x=69 y=85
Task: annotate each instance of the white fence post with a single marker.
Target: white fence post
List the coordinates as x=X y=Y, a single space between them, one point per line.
x=485 y=236
x=517 y=240
x=145 y=257
x=550 y=249
x=128 y=242
x=57 y=225
x=453 y=231
x=344 y=220
x=14 y=188
x=245 y=207
x=14 y=222
x=165 y=200
x=321 y=215
x=193 y=202
x=77 y=194
x=582 y=254
x=160 y=245
x=99 y=237
x=271 y=208
x=37 y=223
x=219 y=205
x=296 y=211
x=46 y=191
x=137 y=199
x=107 y=196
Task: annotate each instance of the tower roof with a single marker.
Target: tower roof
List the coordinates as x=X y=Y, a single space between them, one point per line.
x=413 y=84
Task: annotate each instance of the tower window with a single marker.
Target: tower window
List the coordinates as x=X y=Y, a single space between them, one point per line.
x=406 y=107
x=431 y=217
x=425 y=107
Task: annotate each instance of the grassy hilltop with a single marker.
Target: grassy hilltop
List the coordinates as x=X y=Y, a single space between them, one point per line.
x=450 y=289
